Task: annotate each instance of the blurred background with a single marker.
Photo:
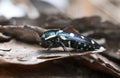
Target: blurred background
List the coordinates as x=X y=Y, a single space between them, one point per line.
x=107 y=9
x=25 y=20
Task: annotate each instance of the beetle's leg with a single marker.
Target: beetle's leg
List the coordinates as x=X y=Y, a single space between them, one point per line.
x=50 y=46
x=77 y=48
x=63 y=46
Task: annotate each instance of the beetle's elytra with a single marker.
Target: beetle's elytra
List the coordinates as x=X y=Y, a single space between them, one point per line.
x=57 y=38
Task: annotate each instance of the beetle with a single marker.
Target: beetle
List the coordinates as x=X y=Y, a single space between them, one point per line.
x=63 y=38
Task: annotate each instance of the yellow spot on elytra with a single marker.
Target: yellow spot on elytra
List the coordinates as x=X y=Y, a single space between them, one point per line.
x=60 y=31
x=72 y=34
x=62 y=37
x=85 y=45
x=89 y=46
x=81 y=48
x=82 y=37
x=49 y=37
x=92 y=42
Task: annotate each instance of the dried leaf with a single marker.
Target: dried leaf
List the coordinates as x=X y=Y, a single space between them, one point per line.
x=22 y=33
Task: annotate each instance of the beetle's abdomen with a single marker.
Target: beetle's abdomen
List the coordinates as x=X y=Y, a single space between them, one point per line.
x=78 y=41
x=83 y=46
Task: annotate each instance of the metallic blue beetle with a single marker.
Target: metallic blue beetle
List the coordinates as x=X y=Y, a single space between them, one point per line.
x=57 y=38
